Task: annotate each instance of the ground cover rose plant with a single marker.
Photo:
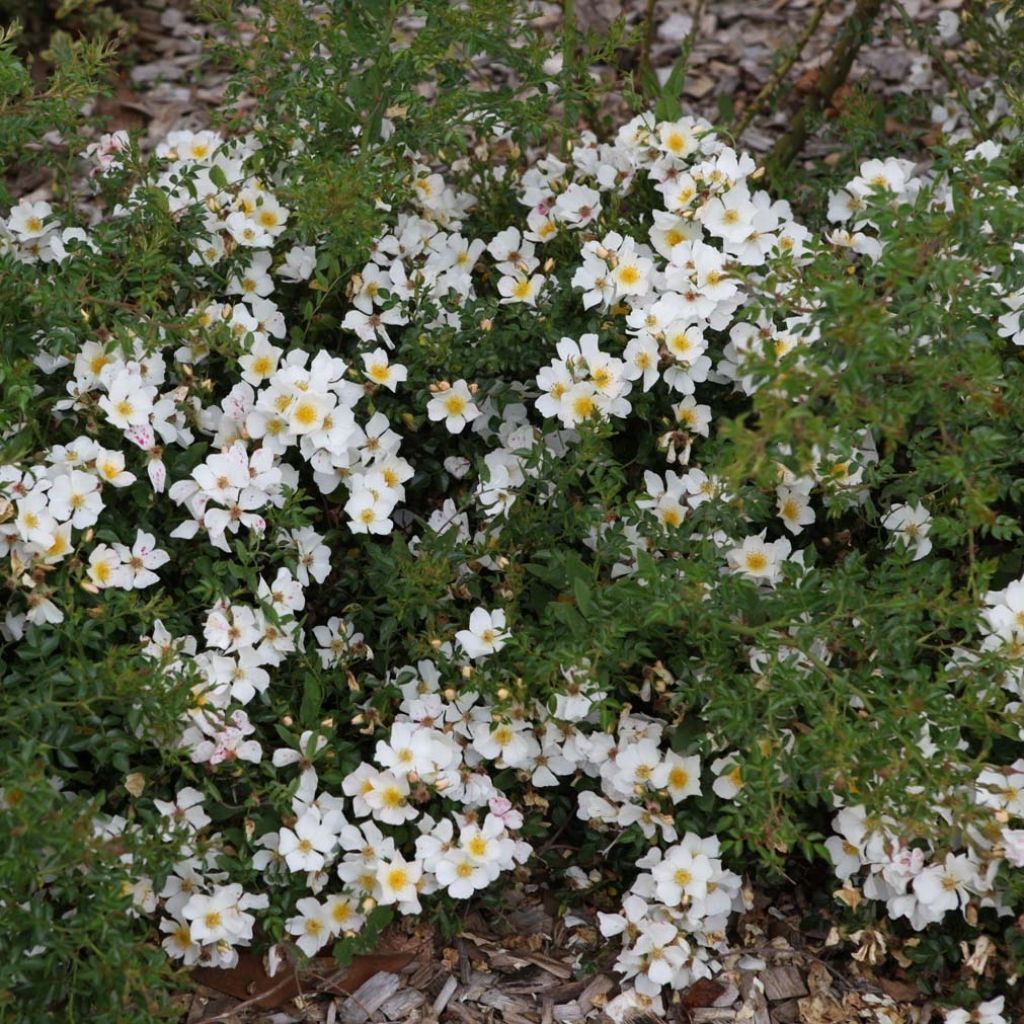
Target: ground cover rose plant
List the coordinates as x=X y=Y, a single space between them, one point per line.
x=600 y=495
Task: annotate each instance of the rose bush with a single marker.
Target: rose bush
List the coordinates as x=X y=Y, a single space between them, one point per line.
x=598 y=496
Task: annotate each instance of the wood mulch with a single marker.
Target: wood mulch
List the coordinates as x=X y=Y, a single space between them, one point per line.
x=532 y=965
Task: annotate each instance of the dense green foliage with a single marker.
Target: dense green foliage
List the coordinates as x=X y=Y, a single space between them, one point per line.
x=882 y=369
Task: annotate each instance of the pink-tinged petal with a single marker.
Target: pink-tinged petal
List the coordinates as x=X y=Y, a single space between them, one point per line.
x=157 y=475
x=142 y=435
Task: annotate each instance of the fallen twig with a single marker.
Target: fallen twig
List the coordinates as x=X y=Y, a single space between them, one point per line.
x=289 y=978
x=294 y=977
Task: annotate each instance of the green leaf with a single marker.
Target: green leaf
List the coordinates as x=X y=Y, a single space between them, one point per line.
x=585 y=599
x=217 y=176
x=312 y=699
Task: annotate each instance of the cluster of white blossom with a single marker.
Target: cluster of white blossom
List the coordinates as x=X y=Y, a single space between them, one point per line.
x=914 y=880
x=685 y=283
x=675 y=917
x=42 y=506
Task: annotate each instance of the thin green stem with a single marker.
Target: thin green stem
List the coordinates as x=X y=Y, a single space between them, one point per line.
x=644 y=64
x=568 y=70
x=683 y=61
